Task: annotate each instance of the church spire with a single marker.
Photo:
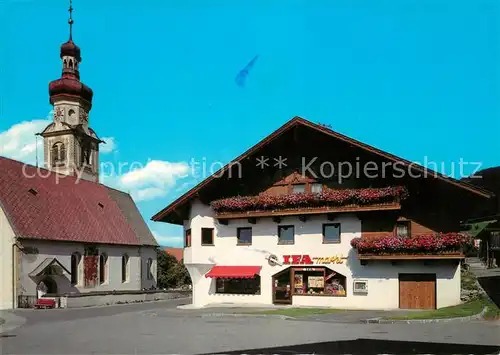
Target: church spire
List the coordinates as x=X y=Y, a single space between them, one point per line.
x=71 y=147
x=70 y=20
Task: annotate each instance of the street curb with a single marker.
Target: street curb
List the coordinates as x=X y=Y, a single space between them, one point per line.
x=276 y=316
x=421 y=321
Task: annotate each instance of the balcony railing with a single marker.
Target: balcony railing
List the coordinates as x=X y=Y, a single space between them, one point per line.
x=428 y=246
x=329 y=201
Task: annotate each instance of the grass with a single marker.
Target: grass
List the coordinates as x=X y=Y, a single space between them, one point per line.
x=298 y=312
x=463 y=310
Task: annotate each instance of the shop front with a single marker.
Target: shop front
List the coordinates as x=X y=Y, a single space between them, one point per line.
x=331 y=281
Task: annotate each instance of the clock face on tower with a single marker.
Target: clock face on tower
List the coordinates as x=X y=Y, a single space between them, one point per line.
x=84 y=116
x=58 y=114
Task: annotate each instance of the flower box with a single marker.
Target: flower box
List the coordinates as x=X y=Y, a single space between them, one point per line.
x=326 y=198
x=427 y=244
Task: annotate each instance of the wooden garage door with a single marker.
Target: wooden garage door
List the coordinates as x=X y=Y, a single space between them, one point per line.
x=417 y=291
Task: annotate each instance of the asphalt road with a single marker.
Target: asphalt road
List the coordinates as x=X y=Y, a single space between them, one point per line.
x=161 y=328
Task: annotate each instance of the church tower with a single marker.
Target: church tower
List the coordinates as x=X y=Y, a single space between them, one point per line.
x=71 y=147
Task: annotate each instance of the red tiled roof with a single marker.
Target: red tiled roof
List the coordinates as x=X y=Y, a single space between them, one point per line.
x=60 y=207
x=175 y=252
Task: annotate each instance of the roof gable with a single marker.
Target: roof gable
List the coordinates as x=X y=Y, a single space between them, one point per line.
x=48 y=206
x=300 y=122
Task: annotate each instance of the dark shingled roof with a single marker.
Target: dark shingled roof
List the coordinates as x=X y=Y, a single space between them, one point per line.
x=44 y=205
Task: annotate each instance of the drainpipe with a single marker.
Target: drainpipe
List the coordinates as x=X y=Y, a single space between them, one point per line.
x=140 y=268
x=14 y=274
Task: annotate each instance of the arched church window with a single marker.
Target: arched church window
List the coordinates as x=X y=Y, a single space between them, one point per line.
x=149 y=269
x=125 y=267
x=58 y=153
x=75 y=267
x=103 y=264
x=65 y=63
x=71 y=63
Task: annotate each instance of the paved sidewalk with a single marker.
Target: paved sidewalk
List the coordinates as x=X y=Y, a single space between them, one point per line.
x=343 y=316
x=10 y=321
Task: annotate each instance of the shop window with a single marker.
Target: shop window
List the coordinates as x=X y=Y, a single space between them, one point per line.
x=207 y=236
x=299 y=188
x=403 y=229
x=187 y=238
x=331 y=233
x=286 y=234
x=318 y=281
x=244 y=236
x=238 y=286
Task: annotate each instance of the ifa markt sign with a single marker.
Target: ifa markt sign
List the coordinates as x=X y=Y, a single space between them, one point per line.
x=307 y=260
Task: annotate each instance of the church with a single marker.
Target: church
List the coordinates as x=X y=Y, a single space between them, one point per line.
x=62 y=232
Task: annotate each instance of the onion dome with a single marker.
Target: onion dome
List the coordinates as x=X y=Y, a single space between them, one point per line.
x=69 y=85
x=70 y=49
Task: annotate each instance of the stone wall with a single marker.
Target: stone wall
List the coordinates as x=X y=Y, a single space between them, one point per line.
x=118 y=297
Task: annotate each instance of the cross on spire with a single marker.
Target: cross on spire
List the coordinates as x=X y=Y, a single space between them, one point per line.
x=70 y=21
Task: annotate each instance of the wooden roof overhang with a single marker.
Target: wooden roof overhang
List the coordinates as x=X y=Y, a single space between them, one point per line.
x=286 y=140
x=223 y=217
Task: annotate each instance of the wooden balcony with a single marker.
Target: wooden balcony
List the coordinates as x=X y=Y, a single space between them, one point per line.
x=224 y=216
x=452 y=256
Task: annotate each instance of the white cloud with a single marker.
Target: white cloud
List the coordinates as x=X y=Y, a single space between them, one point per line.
x=109 y=145
x=144 y=182
x=154 y=180
x=20 y=143
x=168 y=241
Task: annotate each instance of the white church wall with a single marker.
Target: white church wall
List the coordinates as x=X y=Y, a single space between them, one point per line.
x=62 y=251
x=7 y=252
x=148 y=253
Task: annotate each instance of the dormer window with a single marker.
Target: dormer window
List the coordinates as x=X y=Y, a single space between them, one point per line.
x=316 y=188
x=298 y=188
x=403 y=229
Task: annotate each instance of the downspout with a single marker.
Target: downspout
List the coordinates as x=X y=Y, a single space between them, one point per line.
x=140 y=268
x=14 y=274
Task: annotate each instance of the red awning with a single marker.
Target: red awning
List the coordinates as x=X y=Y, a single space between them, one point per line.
x=233 y=272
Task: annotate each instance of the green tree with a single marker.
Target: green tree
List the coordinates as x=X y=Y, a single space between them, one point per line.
x=171 y=273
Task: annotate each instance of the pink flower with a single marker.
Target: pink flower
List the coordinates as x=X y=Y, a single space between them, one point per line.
x=325 y=198
x=427 y=243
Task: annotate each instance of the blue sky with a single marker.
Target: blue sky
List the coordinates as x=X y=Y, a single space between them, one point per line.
x=415 y=78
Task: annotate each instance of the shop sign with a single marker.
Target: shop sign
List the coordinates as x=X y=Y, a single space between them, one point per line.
x=307 y=260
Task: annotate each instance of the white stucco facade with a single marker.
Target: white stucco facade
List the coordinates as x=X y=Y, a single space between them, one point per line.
x=382 y=276
x=136 y=279
x=16 y=266
x=7 y=256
